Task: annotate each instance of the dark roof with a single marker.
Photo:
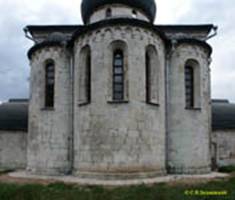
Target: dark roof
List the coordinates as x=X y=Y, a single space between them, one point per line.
x=14 y=116
x=147 y=6
x=18 y=101
x=220 y=101
x=52 y=28
x=186 y=27
x=163 y=27
x=223 y=115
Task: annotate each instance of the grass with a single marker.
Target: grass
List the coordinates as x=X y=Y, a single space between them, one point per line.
x=227 y=169
x=61 y=191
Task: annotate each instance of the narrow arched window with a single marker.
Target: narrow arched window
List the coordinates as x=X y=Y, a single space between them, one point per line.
x=152 y=70
x=108 y=13
x=88 y=77
x=50 y=84
x=189 y=86
x=85 y=76
x=118 y=75
x=148 y=77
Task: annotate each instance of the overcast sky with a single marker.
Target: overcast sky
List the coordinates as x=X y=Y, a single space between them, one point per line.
x=15 y=15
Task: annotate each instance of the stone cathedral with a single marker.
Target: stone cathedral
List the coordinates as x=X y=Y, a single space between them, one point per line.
x=119 y=97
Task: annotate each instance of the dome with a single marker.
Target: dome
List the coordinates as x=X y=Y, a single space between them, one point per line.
x=147 y=6
x=56 y=37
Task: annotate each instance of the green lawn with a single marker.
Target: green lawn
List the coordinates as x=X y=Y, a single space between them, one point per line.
x=61 y=191
x=227 y=169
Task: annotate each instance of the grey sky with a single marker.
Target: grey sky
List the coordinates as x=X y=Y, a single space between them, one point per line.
x=15 y=15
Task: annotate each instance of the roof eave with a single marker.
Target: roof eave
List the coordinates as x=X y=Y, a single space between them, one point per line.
x=187 y=27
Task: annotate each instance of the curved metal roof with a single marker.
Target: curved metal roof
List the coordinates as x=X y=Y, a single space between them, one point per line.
x=223 y=115
x=14 y=116
x=147 y=6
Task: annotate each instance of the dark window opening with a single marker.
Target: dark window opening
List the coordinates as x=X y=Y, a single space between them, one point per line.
x=148 y=77
x=50 y=84
x=118 y=76
x=88 y=78
x=108 y=13
x=189 y=86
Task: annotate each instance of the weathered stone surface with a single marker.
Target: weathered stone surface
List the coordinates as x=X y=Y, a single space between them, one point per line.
x=105 y=139
x=127 y=139
x=120 y=139
x=50 y=129
x=13 y=146
x=188 y=129
x=224 y=147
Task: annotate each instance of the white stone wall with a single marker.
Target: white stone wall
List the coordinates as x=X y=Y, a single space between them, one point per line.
x=225 y=147
x=189 y=130
x=126 y=139
x=50 y=130
x=13 y=146
x=117 y=11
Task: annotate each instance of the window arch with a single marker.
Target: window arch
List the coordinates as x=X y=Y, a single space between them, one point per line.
x=108 y=13
x=49 y=84
x=117 y=63
x=148 y=78
x=118 y=75
x=152 y=67
x=192 y=84
x=189 y=86
x=85 y=76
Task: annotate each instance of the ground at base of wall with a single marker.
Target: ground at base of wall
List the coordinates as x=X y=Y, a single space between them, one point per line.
x=75 y=180
x=5 y=171
x=227 y=169
x=222 y=188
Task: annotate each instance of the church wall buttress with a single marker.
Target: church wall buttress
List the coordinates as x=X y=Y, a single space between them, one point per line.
x=189 y=128
x=49 y=128
x=125 y=139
